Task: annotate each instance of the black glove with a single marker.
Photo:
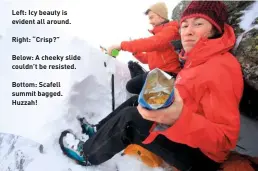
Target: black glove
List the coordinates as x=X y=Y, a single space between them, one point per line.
x=177 y=45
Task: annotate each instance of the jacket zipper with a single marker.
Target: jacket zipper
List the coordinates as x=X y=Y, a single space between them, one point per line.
x=163 y=59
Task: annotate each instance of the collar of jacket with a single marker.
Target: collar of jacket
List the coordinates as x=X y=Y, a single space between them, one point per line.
x=159 y=27
x=206 y=48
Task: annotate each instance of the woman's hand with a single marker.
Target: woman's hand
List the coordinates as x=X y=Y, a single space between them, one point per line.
x=167 y=115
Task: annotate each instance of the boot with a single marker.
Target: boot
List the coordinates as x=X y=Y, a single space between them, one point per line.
x=73 y=147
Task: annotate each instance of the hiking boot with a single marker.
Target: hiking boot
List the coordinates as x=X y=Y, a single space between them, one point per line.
x=135 y=69
x=73 y=147
x=87 y=128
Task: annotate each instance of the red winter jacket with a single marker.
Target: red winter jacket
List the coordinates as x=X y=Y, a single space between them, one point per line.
x=211 y=86
x=156 y=51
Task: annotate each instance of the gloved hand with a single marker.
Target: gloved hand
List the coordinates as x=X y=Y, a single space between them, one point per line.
x=109 y=51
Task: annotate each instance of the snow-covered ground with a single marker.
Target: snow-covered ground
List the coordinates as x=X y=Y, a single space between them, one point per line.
x=21 y=154
x=90 y=73
x=86 y=91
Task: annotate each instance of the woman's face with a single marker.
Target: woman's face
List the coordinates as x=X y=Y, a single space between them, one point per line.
x=192 y=29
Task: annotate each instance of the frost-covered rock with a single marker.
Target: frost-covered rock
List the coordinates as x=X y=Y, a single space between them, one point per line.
x=16 y=153
x=247 y=53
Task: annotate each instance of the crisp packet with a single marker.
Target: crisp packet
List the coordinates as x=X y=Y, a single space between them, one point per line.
x=157 y=91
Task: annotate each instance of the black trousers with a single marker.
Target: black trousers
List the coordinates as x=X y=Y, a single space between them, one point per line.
x=135 y=84
x=125 y=126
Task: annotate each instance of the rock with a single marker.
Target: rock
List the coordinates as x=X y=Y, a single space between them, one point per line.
x=179 y=9
x=255 y=21
x=247 y=54
x=41 y=148
x=248 y=105
x=246 y=49
x=16 y=152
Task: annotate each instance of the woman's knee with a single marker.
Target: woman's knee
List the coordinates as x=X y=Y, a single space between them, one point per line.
x=135 y=85
x=130 y=86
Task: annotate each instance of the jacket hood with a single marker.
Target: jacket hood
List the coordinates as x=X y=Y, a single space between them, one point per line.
x=205 y=48
x=158 y=28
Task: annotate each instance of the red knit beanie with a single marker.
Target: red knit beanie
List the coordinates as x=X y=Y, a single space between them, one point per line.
x=213 y=11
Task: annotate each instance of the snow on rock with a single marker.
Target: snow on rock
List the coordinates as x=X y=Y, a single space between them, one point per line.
x=249 y=15
x=85 y=90
x=247 y=20
x=29 y=139
x=16 y=153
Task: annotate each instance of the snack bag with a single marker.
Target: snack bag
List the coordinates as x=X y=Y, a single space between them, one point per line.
x=157 y=91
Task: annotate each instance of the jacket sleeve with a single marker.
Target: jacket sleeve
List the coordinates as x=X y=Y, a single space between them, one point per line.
x=216 y=130
x=142 y=57
x=153 y=43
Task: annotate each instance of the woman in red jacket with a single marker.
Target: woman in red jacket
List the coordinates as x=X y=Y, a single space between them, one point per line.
x=206 y=114
x=203 y=121
x=156 y=50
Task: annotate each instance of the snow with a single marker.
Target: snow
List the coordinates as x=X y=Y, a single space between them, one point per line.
x=86 y=92
x=242 y=35
x=21 y=154
x=247 y=19
x=70 y=140
x=249 y=15
x=90 y=79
